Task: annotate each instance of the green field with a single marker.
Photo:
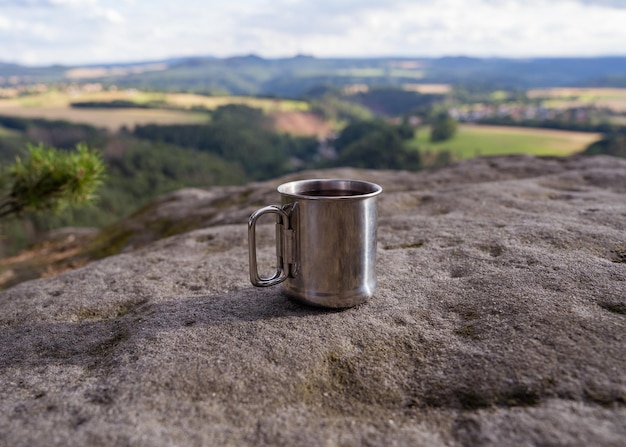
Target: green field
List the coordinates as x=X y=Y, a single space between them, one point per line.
x=474 y=141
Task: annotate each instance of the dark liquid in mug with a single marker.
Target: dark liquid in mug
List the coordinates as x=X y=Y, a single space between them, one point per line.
x=332 y=193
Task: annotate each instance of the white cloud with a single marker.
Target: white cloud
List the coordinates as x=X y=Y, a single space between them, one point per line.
x=28 y=4
x=110 y=15
x=75 y=31
x=5 y=24
x=621 y=4
x=484 y=28
x=72 y=2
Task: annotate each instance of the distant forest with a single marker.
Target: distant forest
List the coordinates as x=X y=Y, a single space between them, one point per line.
x=296 y=76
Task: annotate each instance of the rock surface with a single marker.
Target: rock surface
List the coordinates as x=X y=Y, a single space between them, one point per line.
x=499 y=319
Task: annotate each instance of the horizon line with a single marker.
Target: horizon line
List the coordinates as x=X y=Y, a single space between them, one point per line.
x=303 y=55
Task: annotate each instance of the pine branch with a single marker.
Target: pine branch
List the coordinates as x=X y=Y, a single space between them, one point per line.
x=51 y=179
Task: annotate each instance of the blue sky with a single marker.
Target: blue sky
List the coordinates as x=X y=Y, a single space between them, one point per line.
x=41 y=32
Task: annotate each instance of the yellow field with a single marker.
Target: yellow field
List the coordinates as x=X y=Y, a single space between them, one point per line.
x=187 y=100
x=438 y=89
x=111 y=119
x=177 y=109
x=612 y=98
x=178 y=100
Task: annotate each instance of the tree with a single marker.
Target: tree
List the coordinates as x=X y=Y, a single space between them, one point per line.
x=374 y=145
x=394 y=101
x=359 y=130
x=613 y=143
x=49 y=179
x=443 y=127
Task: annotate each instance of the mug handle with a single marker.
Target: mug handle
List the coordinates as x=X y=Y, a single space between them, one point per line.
x=284 y=246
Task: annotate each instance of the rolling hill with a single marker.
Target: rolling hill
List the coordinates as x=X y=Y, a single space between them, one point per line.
x=295 y=76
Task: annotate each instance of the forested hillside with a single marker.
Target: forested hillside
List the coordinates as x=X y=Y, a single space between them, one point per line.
x=237 y=145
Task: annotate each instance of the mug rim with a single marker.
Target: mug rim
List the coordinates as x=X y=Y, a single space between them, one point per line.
x=298 y=188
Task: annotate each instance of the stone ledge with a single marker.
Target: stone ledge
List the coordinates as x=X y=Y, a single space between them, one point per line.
x=498 y=320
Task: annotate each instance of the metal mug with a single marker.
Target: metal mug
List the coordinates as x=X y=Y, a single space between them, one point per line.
x=325 y=241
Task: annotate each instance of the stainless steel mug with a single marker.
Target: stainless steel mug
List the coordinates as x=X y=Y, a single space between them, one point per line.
x=325 y=241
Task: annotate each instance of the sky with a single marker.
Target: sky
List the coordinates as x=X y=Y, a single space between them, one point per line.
x=74 y=32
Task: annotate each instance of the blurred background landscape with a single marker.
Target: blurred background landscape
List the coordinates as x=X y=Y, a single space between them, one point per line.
x=288 y=88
